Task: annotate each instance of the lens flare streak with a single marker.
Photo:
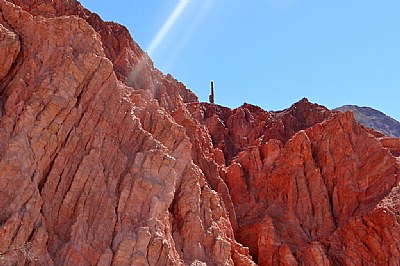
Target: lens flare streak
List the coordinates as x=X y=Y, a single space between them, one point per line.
x=180 y=7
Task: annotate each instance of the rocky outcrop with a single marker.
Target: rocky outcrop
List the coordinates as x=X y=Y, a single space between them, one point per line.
x=106 y=161
x=94 y=171
x=392 y=144
x=293 y=192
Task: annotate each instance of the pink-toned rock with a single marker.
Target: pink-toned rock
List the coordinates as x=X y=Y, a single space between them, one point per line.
x=9 y=49
x=307 y=189
x=370 y=238
x=392 y=144
x=94 y=171
x=104 y=160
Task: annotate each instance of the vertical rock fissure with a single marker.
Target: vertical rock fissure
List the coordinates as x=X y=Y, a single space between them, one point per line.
x=14 y=68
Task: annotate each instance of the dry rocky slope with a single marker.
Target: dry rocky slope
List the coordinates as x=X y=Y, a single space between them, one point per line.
x=374 y=119
x=106 y=161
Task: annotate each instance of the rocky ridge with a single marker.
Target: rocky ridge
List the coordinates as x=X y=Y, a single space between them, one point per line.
x=104 y=160
x=374 y=119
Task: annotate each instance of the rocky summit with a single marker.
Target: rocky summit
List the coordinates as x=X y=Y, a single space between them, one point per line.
x=104 y=160
x=374 y=119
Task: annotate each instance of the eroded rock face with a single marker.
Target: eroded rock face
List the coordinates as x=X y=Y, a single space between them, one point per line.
x=106 y=161
x=10 y=47
x=300 y=177
x=94 y=171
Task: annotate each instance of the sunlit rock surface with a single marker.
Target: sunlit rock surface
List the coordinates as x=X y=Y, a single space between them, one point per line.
x=104 y=160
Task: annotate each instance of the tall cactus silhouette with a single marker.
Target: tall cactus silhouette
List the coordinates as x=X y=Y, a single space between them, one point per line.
x=211 y=97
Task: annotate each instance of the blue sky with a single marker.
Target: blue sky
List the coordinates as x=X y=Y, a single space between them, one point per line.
x=272 y=53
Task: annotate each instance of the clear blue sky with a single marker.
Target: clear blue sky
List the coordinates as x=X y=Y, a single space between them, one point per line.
x=272 y=53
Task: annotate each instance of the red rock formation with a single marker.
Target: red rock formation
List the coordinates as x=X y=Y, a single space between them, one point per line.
x=93 y=171
x=392 y=144
x=292 y=191
x=291 y=197
x=106 y=161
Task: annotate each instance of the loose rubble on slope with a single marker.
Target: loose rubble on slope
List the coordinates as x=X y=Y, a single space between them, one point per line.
x=104 y=160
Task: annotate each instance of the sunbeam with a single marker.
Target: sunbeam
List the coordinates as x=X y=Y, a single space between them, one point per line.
x=143 y=63
x=167 y=25
x=195 y=22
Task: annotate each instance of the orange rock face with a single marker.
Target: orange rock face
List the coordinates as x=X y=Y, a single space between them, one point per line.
x=302 y=176
x=93 y=170
x=106 y=161
x=392 y=144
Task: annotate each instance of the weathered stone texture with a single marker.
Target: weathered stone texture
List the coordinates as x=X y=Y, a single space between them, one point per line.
x=106 y=161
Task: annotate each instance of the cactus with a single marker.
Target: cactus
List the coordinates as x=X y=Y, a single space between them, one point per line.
x=211 y=97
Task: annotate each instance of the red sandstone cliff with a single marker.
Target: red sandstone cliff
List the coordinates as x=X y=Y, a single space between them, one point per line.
x=106 y=161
